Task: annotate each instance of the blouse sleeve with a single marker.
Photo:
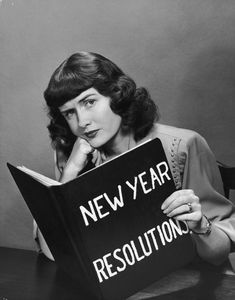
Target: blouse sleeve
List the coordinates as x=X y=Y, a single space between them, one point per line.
x=202 y=174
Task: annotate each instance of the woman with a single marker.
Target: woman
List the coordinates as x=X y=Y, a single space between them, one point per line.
x=97 y=113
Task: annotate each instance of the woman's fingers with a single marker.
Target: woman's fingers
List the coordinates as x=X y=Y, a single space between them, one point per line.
x=179 y=198
x=84 y=147
x=175 y=196
x=79 y=154
x=190 y=218
x=96 y=157
x=188 y=208
x=183 y=205
x=182 y=209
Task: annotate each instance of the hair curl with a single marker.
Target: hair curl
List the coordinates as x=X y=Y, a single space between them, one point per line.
x=84 y=70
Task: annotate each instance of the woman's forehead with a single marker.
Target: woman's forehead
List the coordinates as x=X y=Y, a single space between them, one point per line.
x=89 y=92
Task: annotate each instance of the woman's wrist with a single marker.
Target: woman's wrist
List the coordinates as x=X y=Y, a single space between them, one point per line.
x=69 y=173
x=204 y=228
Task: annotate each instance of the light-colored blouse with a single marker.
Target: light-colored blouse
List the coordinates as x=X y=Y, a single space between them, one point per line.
x=193 y=166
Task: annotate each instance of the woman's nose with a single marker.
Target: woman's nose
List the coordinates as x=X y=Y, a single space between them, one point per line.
x=83 y=119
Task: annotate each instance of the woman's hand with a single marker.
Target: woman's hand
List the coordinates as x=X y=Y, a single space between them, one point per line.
x=184 y=205
x=77 y=160
x=79 y=154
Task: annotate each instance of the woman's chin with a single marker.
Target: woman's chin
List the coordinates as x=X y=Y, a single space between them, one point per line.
x=95 y=144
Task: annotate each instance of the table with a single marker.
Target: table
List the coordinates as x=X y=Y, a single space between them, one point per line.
x=25 y=275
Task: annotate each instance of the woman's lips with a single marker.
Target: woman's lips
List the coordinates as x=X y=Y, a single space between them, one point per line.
x=91 y=134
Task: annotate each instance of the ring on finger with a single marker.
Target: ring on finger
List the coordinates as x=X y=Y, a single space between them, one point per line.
x=190 y=209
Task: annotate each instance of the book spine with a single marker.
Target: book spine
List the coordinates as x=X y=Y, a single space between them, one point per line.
x=87 y=275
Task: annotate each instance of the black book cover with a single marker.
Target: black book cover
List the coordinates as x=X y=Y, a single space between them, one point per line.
x=106 y=228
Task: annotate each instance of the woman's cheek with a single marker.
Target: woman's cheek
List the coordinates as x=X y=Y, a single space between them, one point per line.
x=74 y=128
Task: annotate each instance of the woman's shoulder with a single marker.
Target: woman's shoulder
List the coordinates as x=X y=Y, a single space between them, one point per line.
x=169 y=133
x=173 y=131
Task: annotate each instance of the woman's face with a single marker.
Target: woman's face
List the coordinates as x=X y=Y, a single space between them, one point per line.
x=89 y=116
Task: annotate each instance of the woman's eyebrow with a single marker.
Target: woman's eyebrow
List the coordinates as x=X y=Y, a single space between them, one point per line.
x=85 y=97
x=65 y=109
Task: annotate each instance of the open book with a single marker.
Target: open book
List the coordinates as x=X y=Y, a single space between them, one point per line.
x=106 y=227
x=48 y=181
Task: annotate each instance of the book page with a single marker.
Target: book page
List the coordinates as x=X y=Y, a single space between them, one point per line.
x=39 y=177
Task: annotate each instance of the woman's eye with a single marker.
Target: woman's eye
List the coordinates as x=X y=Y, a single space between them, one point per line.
x=89 y=102
x=68 y=114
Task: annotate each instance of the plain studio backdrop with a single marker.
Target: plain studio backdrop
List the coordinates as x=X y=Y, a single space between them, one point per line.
x=183 y=51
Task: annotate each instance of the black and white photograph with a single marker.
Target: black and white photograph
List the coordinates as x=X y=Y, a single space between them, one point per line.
x=117 y=130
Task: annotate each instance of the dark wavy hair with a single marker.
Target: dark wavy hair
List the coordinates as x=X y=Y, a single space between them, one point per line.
x=84 y=70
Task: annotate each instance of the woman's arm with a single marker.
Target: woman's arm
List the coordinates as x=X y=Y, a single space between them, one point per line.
x=212 y=244
x=202 y=188
x=214 y=247
x=77 y=160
